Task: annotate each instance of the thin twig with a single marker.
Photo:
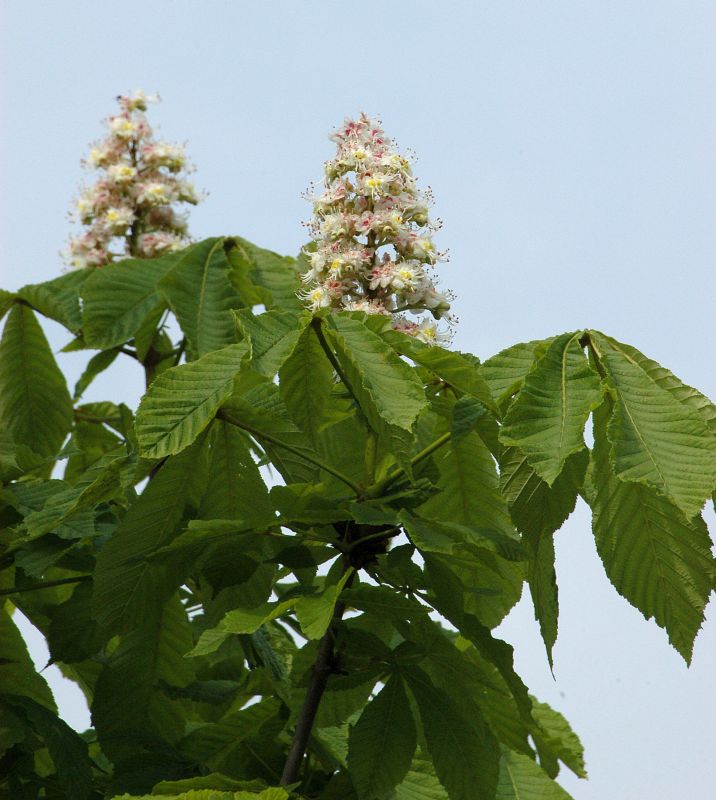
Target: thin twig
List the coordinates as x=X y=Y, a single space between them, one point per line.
x=46 y=585
x=232 y=420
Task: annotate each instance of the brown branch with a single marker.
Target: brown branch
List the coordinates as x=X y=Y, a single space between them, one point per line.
x=323 y=666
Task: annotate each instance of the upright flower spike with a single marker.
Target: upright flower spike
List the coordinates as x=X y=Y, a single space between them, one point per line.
x=373 y=246
x=129 y=211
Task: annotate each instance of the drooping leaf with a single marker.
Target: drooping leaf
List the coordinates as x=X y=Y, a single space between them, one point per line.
x=538 y=510
x=657 y=440
x=547 y=419
x=463 y=750
x=382 y=743
x=199 y=292
x=522 y=779
x=656 y=558
x=183 y=400
x=35 y=406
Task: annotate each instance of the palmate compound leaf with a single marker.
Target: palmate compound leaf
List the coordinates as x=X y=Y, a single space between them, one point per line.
x=522 y=779
x=382 y=743
x=547 y=419
x=657 y=559
x=183 y=400
x=35 y=406
x=657 y=438
x=464 y=752
x=199 y=292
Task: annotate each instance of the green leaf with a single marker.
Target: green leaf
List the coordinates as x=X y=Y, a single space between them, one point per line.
x=59 y=298
x=306 y=381
x=260 y=411
x=97 y=364
x=67 y=749
x=234 y=487
x=522 y=779
x=388 y=391
x=183 y=400
x=17 y=672
x=470 y=488
x=382 y=743
x=538 y=510
x=35 y=406
x=118 y=297
x=655 y=558
x=277 y=277
x=547 y=419
x=315 y=612
x=129 y=590
x=420 y=783
x=384 y=602
x=127 y=706
x=271 y=336
x=199 y=292
x=556 y=741
x=240 y=620
x=667 y=380
x=456 y=369
x=216 y=743
x=6 y=301
x=435 y=536
x=657 y=440
x=464 y=752
x=505 y=372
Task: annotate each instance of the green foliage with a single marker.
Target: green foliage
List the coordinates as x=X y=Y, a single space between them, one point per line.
x=299 y=508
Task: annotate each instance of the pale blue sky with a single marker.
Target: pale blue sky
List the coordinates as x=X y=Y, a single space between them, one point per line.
x=571 y=149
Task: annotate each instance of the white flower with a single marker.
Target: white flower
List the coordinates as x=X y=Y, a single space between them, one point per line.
x=155 y=193
x=121 y=174
x=123 y=126
x=373 y=236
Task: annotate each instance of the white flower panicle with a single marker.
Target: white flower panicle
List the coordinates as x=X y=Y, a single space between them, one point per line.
x=129 y=210
x=373 y=249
